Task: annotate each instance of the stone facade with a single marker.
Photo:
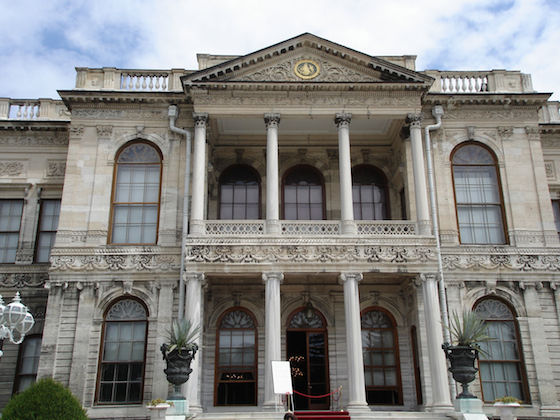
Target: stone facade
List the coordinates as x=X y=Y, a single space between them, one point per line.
x=315 y=106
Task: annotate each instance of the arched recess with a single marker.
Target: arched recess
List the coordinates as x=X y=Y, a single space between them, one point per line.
x=501 y=364
x=303 y=194
x=235 y=380
x=478 y=195
x=122 y=353
x=381 y=357
x=136 y=195
x=239 y=194
x=307 y=352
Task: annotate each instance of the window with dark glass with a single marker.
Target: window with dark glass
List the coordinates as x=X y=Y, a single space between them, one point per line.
x=381 y=358
x=369 y=193
x=136 y=195
x=478 y=195
x=239 y=193
x=28 y=362
x=501 y=367
x=10 y=222
x=236 y=359
x=123 y=353
x=556 y=210
x=46 y=231
x=303 y=194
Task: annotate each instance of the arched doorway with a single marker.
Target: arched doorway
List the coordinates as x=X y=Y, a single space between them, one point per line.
x=306 y=342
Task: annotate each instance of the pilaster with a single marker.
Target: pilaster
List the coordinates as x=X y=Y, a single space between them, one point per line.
x=160 y=385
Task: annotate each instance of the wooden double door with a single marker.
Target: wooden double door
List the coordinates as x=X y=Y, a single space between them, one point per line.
x=307 y=351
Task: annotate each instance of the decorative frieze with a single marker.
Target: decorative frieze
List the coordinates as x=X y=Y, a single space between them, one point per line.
x=39 y=139
x=550 y=169
x=104 y=130
x=118 y=114
x=524 y=260
x=11 y=168
x=22 y=280
x=56 y=168
x=116 y=262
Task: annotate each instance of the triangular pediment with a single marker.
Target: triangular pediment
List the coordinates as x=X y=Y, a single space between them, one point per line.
x=307 y=59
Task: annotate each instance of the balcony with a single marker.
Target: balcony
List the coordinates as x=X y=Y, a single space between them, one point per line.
x=130 y=80
x=33 y=110
x=468 y=82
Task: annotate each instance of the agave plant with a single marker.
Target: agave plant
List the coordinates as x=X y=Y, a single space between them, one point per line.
x=469 y=330
x=182 y=335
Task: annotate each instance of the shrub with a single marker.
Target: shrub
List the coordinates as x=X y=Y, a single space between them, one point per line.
x=44 y=400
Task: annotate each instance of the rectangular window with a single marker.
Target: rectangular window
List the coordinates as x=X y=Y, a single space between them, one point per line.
x=29 y=353
x=46 y=231
x=10 y=223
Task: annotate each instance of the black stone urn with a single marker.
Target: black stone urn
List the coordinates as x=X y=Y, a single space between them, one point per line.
x=462 y=359
x=178 y=366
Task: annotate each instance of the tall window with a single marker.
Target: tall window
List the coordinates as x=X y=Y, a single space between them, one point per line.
x=501 y=369
x=478 y=195
x=556 y=210
x=28 y=362
x=121 y=370
x=46 y=231
x=10 y=222
x=369 y=193
x=136 y=195
x=381 y=358
x=303 y=194
x=236 y=359
x=239 y=193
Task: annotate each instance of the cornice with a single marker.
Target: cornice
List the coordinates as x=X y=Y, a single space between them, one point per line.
x=43 y=125
x=549 y=128
x=487 y=98
x=75 y=96
x=307 y=86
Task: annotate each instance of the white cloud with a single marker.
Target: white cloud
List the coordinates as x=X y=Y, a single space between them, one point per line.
x=41 y=42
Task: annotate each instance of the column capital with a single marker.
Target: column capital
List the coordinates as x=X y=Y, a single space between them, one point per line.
x=344 y=277
x=271 y=120
x=273 y=275
x=342 y=119
x=200 y=277
x=200 y=119
x=424 y=277
x=415 y=120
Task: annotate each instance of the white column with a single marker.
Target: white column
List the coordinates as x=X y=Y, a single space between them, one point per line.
x=356 y=382
x=441 y=400
x=418 y=168
x=272 y=328
x=272 y=202
x=193 y=312
x=198 y=170
x=342 y=122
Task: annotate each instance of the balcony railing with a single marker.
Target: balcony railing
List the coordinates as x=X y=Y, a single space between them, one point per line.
x=492 y=81
x=33 y=109
x=308 y=228
x=110 y=78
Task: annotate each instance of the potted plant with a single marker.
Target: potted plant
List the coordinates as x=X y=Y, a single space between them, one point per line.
x=467 y=332
x=505 y=406
x=179 y=352
x=158 y=408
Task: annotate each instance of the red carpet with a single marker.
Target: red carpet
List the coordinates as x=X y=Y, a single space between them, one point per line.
x=320 y=415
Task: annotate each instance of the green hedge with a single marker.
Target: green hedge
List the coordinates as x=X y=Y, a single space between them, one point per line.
x=44 y=400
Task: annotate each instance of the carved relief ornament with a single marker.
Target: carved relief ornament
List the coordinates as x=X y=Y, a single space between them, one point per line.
x=11 y=168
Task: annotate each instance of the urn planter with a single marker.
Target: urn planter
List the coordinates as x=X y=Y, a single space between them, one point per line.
x=462 y=360
x=178 y=366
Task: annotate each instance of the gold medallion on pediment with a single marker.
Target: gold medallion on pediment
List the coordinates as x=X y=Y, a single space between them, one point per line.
x=307 y=69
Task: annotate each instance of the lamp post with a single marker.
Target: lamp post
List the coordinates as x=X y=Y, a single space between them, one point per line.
x=15 y=321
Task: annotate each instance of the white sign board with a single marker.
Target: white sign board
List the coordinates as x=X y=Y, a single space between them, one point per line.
x=281 y=377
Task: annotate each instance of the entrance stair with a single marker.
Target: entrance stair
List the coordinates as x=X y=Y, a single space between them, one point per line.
x=322 y=415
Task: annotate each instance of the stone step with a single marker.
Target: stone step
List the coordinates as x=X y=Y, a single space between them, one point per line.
x=369 y=415
x=321 y=415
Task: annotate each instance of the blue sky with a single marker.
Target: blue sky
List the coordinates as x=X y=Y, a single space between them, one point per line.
x=42 y=41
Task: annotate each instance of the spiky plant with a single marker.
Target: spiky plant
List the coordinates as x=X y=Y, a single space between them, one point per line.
x=181 y=336
x=469 y=330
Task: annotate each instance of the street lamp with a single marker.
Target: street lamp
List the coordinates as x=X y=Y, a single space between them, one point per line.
x=15 y=321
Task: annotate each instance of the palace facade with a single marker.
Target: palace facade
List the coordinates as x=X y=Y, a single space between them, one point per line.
x=295 y=188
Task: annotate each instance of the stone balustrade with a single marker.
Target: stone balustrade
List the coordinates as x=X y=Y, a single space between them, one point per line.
x=493 y=81
x=308 y=228
x=550 y=113
x=33 y=109
x=111 y=78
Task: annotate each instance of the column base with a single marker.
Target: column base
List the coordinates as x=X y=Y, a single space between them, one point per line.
x=196 y=227
x=357 y=407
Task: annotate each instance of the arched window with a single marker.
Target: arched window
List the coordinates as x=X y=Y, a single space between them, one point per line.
x=501 y=368
x=240 y=193
x=303 y=192
x=381 y=358
x=136 y=195
x=480 y=211
x=123 y=353
x=236 y=359
x=369 y=193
